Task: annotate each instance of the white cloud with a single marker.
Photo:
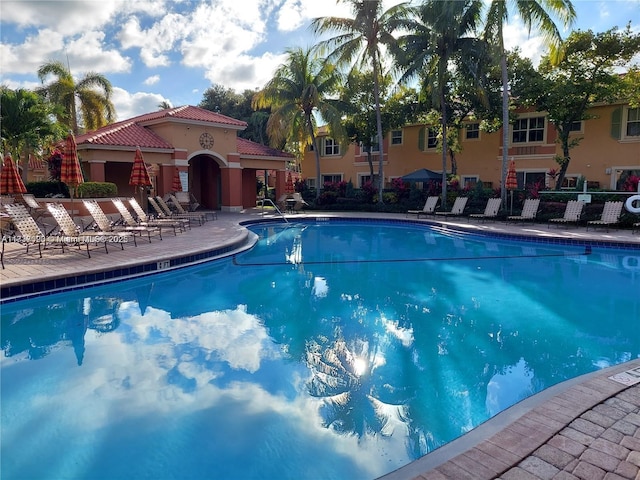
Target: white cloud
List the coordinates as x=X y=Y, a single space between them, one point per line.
x=156 y=41
x=129 y=104
x=152 y=80
x=26 y=58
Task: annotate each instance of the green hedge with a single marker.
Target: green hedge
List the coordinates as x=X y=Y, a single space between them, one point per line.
x=97 y=190
x=47 y=189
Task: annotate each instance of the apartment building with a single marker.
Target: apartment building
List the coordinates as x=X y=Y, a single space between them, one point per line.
x=609 y=151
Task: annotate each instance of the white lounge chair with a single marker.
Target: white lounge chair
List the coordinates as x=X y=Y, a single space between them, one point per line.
x=145 y=219
x=529 y=211
x=572 y=213
x=428 y=209
x=129 y=221
x=490 y=211
x=457 y=209
x=610 y=216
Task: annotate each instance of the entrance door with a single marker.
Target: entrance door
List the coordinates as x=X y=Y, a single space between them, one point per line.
x=205 y=181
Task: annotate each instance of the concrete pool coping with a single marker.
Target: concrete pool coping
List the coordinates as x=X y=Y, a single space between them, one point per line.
x=497 y=447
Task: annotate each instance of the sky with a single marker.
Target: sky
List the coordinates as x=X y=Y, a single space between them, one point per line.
x=155 y=51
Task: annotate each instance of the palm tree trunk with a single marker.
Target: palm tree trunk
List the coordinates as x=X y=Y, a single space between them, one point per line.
x=376 y=93
x=317 y=152
x=444 y=147
x=505 y=124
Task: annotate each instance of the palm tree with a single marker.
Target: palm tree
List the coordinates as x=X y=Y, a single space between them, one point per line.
x=299 y=91
x=27 y=124
x=164 y=105
x=92 y=94
x=360 y=38
x=533 y=13
x=437 y=37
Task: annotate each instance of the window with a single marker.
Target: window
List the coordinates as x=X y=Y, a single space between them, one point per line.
x=396 y=137
x=432 y=138
x=333 y=178
x=576 y=126
x=363 y=179
x=529 y=129
x=472 y=131
x=311 y=182
x=469 y=181
x=528 y=179
x=331 y=147
x=374 y=147
x=632 y=128
x=569 y=182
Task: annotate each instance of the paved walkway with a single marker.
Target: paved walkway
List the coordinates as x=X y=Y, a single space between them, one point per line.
x=587 y=428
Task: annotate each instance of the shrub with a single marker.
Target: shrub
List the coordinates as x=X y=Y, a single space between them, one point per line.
x=47 y=189
x=327 y=198
x=97 y=190
x=389 y=197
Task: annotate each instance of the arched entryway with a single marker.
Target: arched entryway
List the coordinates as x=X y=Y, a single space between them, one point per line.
x=205 y=181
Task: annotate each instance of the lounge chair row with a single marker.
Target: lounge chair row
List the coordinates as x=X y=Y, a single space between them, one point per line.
x=610 y=214
x=97 y=234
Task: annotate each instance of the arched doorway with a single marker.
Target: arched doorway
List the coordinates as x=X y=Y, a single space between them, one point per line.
x=205 y=181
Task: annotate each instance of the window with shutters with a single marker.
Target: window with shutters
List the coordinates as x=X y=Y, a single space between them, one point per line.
x=632 y=122
x=432 y=138
x=331 y=147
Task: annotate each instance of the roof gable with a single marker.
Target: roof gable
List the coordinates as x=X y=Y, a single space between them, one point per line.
x=247 y=147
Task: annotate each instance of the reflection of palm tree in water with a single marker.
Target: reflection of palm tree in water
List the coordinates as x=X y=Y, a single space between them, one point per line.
x=344 y=376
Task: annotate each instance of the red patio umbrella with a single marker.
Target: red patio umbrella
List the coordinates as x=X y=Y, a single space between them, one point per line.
x=176 y=185
x=70 y=171
x=139 y=173
x=288 y=186
x=512 y=180
x=10 y=180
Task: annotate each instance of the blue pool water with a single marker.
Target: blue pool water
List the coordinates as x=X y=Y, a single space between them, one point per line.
x=333 y=351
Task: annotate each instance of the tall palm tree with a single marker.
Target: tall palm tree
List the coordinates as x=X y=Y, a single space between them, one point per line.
x=534 y=14
x=442 y=32
x=300 y=90
x=91 y=94
x=360 y=38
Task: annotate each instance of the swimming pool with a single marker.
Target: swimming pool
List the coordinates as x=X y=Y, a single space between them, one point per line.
x=337 y=350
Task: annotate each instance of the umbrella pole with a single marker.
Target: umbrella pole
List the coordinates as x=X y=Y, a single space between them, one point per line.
x=511 y=202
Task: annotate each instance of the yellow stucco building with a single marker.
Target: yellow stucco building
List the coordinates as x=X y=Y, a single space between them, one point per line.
x=609 y=149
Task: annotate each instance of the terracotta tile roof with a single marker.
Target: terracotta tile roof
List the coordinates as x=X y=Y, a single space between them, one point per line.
x=134 y=132
x=247 y=147
x=36 y=163
x=124 y=134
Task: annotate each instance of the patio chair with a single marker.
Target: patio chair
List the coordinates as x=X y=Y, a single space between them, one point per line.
x=572 y=213
x=27 y=232
x=529 y=211
x=186 y=198
x=490 y=211
x=149 y=220
x=300 y=203
x=181 y=211
x=35 y=209
x=103 y=224
x=131 y=222
x=457 y=209
x=610 y=216
x=166 y=210
x=70 y=232
x=428 y=209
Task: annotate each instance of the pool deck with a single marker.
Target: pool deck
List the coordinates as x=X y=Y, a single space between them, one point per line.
x=585 y=428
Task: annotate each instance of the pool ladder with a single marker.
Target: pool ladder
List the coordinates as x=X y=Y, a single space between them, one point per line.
x=268 y=200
